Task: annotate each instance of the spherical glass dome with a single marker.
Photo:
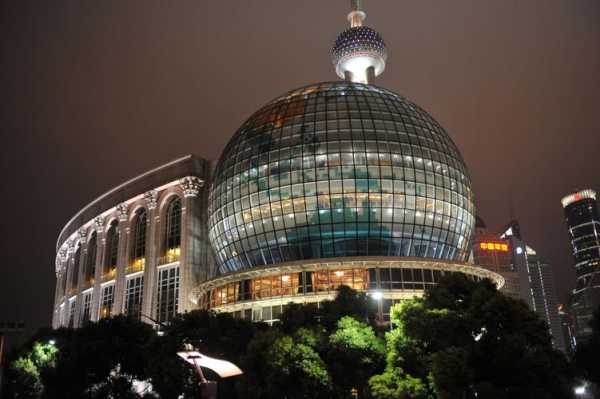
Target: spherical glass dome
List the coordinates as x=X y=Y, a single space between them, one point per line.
x=339 y=169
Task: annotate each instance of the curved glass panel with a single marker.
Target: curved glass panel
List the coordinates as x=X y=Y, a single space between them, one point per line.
x=339 y=169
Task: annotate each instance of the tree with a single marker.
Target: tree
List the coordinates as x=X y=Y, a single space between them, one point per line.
x=278 y=365
x=214 y=334
x=88 y=355
x=586 y=356
x=464 y=339
x=25 y=373
x=347 y=302
x=355 y=354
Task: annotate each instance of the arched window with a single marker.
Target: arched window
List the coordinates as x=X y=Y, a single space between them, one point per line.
x=139 y=244
x=173 y=228
x=112 y=248
x=90 y=263
x=75 y=274
x=138 y=253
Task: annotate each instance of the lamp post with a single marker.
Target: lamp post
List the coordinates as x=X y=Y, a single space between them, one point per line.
x=223 y=368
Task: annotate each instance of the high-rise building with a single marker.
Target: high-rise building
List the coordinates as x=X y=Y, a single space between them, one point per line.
x=334 y=183
x=494 y=253
x=536 y=282
x=581 y=215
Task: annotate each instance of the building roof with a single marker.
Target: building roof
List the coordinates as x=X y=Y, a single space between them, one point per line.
x=189 y=165
x=578 y=196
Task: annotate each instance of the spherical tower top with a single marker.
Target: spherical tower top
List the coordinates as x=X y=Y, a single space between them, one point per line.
x=359 y=53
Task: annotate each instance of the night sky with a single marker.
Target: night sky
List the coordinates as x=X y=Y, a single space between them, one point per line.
x=96 y=92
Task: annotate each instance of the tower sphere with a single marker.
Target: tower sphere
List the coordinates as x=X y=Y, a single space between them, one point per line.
x=357 y=51
x=339 y=169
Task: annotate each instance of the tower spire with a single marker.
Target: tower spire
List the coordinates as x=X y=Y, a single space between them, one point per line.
x=359 y=53
x=356 y=15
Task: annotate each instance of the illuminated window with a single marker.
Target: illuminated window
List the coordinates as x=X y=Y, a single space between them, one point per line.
x=112 y=248
x=483 y=245
x=87 y=306
x=107 y=299
x=90 y=263
x=76 y=262
x=133 y=296
x=173 y=226
x=167 y=293
x=139 y=246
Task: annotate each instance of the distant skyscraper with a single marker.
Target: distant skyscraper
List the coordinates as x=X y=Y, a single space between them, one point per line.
x=493 y=253
x=581 y=214
x=536 y=282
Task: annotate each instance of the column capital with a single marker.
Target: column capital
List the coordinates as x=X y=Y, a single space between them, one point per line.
x=191 y=186
x=122 y=212
x=151 y=198
x=82 y=234
x=99 y=224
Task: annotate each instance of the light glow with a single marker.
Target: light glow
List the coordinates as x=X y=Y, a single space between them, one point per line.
x=494 y=246
x=223 y=368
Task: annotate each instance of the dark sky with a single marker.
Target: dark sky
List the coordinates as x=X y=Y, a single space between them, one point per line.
x=96 y=92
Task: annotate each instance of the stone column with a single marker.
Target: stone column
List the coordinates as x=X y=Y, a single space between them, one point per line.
x=152 y=248
x=189 y=261
x=122 y=260
x=59 y=293
x=100 y=250
x=80 y=276
x=70 y=263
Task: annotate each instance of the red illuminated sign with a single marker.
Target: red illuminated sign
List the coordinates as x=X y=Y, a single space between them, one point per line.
x=494 y=246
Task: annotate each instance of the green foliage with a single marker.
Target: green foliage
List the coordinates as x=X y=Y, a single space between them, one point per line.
x=464 y=340
x=355 y=354
x=393 y=383
x=279 y=365
x=348 y=302
x=25 y=372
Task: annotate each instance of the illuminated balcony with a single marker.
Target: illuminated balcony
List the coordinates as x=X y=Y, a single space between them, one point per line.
x=137 y=265
x=172 y=255
x=88 y=283
x=110 y=274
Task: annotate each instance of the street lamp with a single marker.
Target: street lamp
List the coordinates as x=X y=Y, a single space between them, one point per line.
x=222 y=368
x=52 y=342
x=580 y=390
x=378 y=296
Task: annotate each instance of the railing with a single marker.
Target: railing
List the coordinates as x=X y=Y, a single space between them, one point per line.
x=136 y=266
x=171 y=256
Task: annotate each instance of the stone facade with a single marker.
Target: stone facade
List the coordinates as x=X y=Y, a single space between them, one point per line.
x=138 y=249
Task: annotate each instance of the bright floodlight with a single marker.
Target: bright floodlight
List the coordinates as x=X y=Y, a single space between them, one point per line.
x=52 y=342
x=223 y=368
x=580 y=390
x=377 y=295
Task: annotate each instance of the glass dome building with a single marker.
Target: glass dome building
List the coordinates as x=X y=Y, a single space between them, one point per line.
x=335 y=170
x=337 y=183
